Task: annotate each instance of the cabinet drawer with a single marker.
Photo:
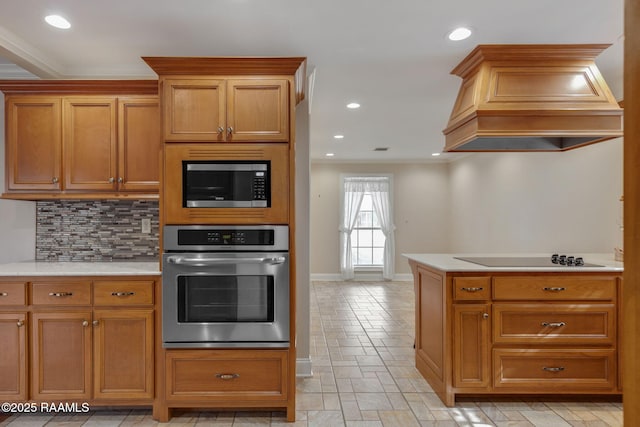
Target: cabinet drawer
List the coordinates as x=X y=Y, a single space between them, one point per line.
x=226 y=375
x=554 y=323
x=559 y=371
x=554 y=288
x=472 y=288
x=13 y=293
x=63 y=293
x=114 y=292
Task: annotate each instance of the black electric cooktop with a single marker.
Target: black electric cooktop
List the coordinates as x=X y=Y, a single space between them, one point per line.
x=492 y=261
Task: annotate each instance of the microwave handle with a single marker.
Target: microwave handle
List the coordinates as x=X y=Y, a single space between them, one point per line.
x=177 y=259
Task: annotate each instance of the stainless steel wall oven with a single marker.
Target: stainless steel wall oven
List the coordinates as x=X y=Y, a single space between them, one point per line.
x=225 y=286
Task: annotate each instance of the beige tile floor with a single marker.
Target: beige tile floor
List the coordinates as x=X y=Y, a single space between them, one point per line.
x=364 y=375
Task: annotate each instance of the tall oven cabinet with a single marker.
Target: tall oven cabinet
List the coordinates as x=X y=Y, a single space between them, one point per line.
x=229 y=111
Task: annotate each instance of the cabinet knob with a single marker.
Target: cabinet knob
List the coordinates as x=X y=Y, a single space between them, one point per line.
x=54 y=180
x=485 y=315
x=553 y=324
x=4 y=294
x=112 y=180
x=85 y=323
x=220 y=129
x=60 y=294
x=20 y=323
x=227 y=376
x=229 y=130
x=122 y=294
x=95 y=323
x=120 y=180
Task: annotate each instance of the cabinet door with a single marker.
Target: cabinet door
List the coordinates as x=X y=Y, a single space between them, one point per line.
x=34 y=143
x=89 y=138
x=194 y=110
x=471 y=341
x=227 y=376
x=123 y=351
x=139 y=144
x=61 y=355
x=13 y=357
x=258 y=110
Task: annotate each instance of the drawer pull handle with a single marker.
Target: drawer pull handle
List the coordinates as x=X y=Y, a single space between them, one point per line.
x=122 y=294
x=553 y=368
x=227 y=377
x=60 y=294
x=4 y=294
x=472 y=289
x=553 y=324
x=555 y=289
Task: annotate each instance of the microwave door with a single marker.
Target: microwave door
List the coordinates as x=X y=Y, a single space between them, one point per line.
x=219 y=189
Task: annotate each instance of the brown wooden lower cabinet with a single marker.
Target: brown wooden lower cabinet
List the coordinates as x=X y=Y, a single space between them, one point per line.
x=227 y=375
x=13 y=357
x=123 y=354
x=226 y=379
x=61 y=355
x=78 y=339
x=472 y=341
x=480 y=333
x=557 y=370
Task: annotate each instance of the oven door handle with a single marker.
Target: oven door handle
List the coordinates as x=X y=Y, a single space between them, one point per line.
x=177 y=259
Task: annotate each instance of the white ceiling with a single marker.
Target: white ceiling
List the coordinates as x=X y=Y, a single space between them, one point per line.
x=390 y=56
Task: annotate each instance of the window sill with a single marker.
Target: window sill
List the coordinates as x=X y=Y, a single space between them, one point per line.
x=367 y=269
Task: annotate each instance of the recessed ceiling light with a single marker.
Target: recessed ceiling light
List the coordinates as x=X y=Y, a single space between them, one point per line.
x=57 y=21
x=338 y=136
x=435 y=154
x=460 y=33
x=330 y=154
x=353 y=105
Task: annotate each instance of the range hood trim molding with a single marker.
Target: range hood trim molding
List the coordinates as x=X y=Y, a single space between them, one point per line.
x=486 y=110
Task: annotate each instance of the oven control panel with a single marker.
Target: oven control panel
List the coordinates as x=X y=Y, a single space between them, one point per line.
x=225 y=237
x=217 y=238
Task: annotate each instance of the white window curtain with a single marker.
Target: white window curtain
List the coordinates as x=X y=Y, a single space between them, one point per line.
x=354 y=190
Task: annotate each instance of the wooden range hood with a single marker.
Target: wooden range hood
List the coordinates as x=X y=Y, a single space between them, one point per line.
x=532 y=98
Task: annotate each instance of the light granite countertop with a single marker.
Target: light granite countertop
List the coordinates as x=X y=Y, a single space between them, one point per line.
x=448 y=262
x=44 y=268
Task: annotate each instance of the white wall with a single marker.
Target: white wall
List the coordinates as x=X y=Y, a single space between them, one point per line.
x=17 y=218
x=485 y=202
x=421 y=210
x=538 y=202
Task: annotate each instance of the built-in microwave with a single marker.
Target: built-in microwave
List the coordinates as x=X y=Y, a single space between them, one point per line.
x=226 y=184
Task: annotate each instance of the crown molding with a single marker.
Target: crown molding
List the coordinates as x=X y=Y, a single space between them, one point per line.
x=27 y=57
x=12 y=71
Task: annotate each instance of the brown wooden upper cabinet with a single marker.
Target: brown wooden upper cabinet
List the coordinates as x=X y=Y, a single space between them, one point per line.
x=83 y=143
x=34 y=143
x=226 y=110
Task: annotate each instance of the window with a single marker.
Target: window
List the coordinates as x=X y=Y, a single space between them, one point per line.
x=367 y=238
x=366 y=225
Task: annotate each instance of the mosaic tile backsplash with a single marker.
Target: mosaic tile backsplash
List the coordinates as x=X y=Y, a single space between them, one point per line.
x=96 y=230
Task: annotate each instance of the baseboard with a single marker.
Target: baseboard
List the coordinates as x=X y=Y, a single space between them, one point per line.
x=303 y=368
x=360 y=277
